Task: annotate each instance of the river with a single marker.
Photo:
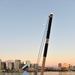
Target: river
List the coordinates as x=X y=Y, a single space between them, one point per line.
x=45 y=73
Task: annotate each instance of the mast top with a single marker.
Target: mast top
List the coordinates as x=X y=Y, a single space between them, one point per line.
x=51 y=15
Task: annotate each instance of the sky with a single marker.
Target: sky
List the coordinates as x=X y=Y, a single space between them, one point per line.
x=22 y=25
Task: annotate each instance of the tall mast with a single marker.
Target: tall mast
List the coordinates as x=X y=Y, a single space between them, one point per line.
x=46 y=43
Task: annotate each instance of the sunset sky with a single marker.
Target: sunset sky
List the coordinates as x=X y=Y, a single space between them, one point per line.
x=22 y=25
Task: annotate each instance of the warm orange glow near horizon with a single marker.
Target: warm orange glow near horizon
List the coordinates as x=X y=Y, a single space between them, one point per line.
x=47 y=63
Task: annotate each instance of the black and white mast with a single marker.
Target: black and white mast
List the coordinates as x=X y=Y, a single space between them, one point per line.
x=46 y=43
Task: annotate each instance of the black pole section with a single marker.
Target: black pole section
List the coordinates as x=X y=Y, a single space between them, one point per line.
x=48 y=35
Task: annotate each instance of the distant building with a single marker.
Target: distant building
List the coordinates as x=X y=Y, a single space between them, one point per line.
x=3 y=65
x=17 y=64
x=35 y=66
x=73 y=67
x=9 y=65
x=0 y=64
x=28 y=63
x=22 y=64
x=59 y=66
x=70 y=66
x=65 y=65
x=32 y=65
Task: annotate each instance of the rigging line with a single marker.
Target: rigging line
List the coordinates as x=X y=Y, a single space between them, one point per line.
x=41 y=47
x=42 y=44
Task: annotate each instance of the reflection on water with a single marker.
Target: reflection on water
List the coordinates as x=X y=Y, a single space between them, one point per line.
x=45 y=73
x=66 y=73
x=10 y=73
x=63 y=73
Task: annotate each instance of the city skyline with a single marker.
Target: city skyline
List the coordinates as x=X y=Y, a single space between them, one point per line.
x=17 y=65
x=36 y=62
x=22 y=25
x=29 y=62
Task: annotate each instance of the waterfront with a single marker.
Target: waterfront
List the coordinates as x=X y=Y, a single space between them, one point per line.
x=45 y=73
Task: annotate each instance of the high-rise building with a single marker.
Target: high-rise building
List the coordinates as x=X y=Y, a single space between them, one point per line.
x=28 y=63
x=0 y=64
x=17 y=64
x=9 y=65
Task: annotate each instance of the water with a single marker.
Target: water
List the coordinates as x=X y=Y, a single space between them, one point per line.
x=45 y=73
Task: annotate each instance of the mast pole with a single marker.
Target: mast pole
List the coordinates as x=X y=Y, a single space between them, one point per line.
x=46 y=44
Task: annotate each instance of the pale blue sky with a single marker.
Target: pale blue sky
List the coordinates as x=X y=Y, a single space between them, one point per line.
x=22 y=25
